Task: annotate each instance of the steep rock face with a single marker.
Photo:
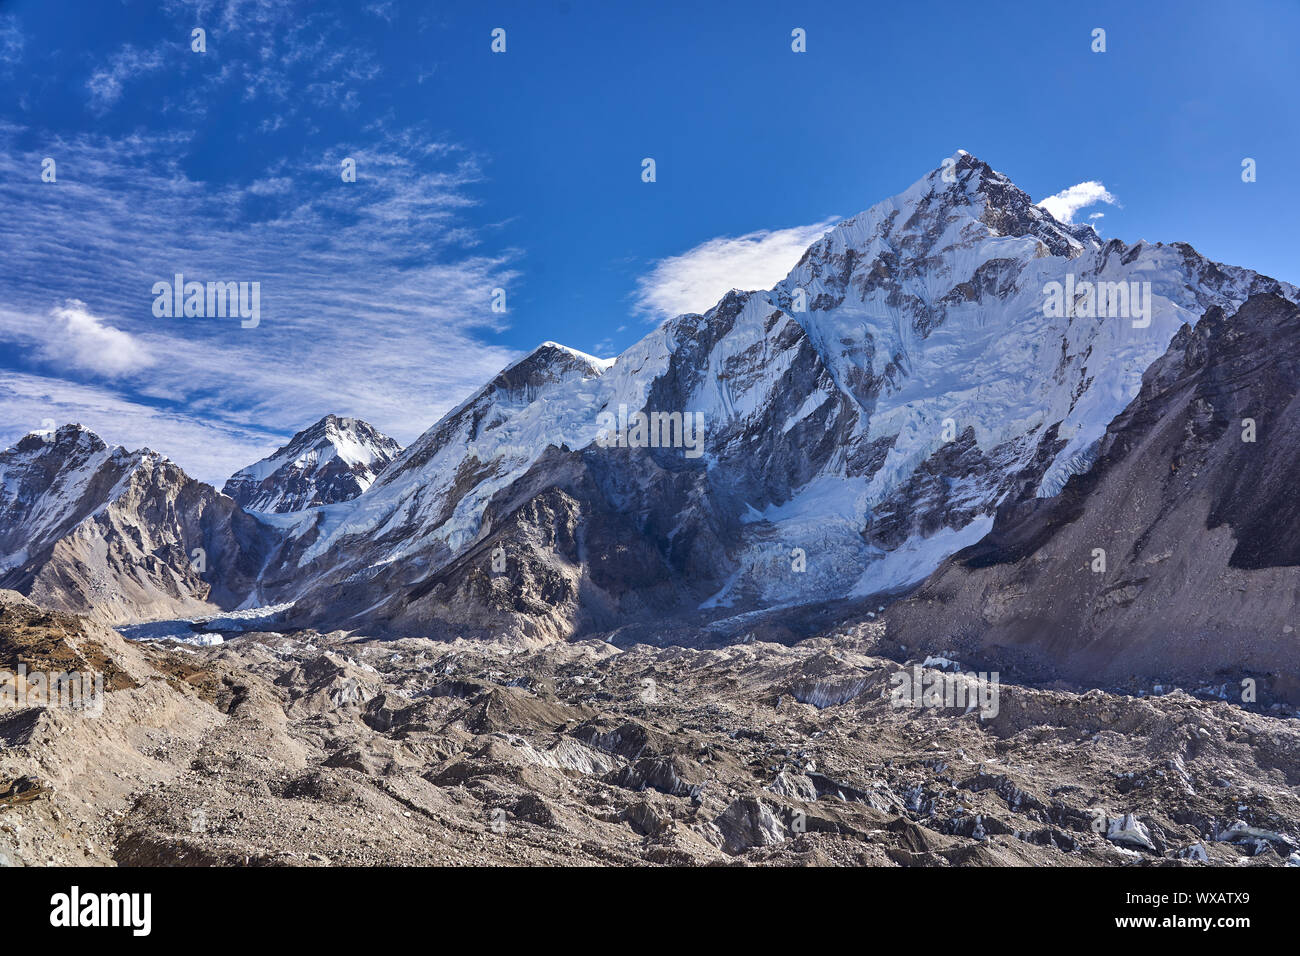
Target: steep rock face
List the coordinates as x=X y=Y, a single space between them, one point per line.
x=334 y=460
x=120 y=535
x=566 y=548
x=1177 y=556
x=862 y=420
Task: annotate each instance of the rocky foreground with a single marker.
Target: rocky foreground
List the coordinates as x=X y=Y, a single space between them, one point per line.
x=313 y=749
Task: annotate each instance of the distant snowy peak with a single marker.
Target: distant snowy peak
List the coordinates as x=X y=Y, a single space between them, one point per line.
x=334 y=460
x=52 y=480
x=962 y=199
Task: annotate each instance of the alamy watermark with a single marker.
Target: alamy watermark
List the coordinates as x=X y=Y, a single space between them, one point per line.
x=652 y=430
x=71 y=690
x=931 y=688
x=212 y=300
x=1098 y=300
x=74 y=908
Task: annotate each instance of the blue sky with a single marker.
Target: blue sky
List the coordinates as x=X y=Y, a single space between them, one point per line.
x=522 y=170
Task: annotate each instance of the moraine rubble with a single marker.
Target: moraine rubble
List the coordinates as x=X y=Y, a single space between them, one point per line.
x=318 y=749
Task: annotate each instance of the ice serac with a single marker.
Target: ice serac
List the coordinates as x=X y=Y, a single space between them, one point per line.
x=1176 y=557
x=334 y=460
x=122 y=536
x=864 y=419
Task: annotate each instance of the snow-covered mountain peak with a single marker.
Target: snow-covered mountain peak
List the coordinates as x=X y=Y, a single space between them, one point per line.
x=333 y=460
x=550 y=349
x=475 y=424
x=60 y=457
x=351 y=439
x=550 y=362
x=123 y=535
x=958 y=203
x=62 y=439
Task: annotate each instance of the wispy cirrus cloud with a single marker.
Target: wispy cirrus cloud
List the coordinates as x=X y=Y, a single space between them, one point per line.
x=212 y=448
x=298 y=56
x=1069 y=201
x=107 y=83
x=12 y=41
x=373 y=299
x=695 y=280
x=235 y=14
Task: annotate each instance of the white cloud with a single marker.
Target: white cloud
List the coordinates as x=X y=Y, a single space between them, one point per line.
x=105 y=84
x=82 y=341
x=698 y=278
x=1067 y=202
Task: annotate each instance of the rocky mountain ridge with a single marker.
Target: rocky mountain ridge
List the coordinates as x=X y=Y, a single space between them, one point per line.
x=123 y=536
x=1176 y=556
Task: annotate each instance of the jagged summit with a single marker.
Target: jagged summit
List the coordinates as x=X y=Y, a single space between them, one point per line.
x=962 y=197
x=65 y=454
x=333 y=460
x=547 y=363
x=73 y=431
